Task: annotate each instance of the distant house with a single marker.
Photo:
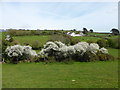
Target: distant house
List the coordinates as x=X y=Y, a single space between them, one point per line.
x=74 y=34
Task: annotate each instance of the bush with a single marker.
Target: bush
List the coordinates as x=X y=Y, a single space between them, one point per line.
x=4 y=46
x=74 y=41
x=77 y=57
x=15 y=42
x=11 y=32
x=104 y=57
x=36 y=45
x=88 y=57
x=102 y=43
x=90 y=41
x=63 y=38
x=9 y=38
x=114 y=43
x=17 y=53
x=81 y=51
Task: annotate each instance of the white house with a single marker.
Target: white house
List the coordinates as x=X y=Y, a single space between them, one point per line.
x=73 y=34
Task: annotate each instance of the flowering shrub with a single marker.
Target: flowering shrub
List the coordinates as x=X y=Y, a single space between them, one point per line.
x=93 y=48
x=81 y=47
x=103 y=50
x=9 y=38
x=104 y=56
x=18 y=52
x=59 y=44
x=81 y=50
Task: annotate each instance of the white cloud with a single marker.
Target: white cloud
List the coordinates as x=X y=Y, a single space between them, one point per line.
x=102 y=18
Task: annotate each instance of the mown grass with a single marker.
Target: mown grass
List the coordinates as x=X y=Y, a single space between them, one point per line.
x=113 y=52
x=39 y=75
x=59 y=75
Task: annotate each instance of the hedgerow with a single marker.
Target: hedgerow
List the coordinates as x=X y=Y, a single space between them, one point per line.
x=58 y=51
x=81 y=51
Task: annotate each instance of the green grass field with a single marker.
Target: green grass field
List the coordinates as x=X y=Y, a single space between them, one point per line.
x=59 y=75
x=30 y=39
x=113 y=52
x=98 y=34
x=86 y=75
x=44 y=38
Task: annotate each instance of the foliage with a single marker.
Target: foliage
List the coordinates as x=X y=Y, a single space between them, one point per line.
x=114 y=43
x=15 y=42
x=36 y=45
x=81 y=51
x=115 y=31
x=18 y=52
x=104 y=57
x=103 y=50
x=9 y=38
x=85 y=31
x=102 y=43
x=4 y=46
x=74 y=41
x=63 y=38
x=22 y=32
x=91 y=30
x=89 y=56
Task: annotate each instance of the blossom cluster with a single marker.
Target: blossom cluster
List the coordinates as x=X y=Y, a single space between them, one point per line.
x=103 y=50
x=60 y=49
x=18 y=50
x=8 y=38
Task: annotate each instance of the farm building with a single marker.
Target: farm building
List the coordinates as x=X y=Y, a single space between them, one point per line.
x=74 y=34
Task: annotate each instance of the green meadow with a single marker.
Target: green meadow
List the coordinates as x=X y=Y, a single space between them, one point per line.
x=30 y=39
x=59 y=75
x=99 y=74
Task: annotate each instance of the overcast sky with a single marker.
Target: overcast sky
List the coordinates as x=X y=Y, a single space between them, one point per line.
x=99 y=16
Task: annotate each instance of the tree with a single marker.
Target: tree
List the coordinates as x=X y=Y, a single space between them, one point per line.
x=115 y=31
x=74 y=29
x=91 y=30
x=85 y=31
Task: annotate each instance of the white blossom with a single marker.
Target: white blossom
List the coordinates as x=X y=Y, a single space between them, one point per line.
x=42 y=53
x=8 y=37
x=18 y=50
x=60 y=49
x=28 y=50
x=15 y=50
x=81 y=47
x=50 y=45
x=103 y=50
x=59 y=44
x=93 y=48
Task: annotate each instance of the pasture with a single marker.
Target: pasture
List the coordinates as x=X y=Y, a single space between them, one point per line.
x=57 y=75
x=60 y=75
x=30 y=39
x=99 y=74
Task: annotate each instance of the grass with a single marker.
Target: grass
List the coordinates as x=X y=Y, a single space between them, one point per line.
x=98 y=34
x=87 y=38
x=30 y=39
x=59 y=75
x=86 y=75
x=113 y=52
